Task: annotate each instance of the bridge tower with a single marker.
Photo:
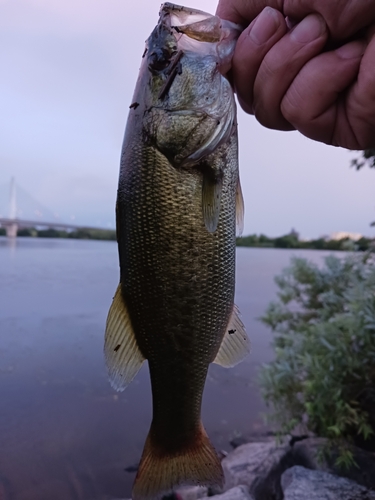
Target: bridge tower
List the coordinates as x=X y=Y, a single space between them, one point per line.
x=12 y=228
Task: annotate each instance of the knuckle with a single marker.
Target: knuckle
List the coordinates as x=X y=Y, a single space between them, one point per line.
x=293 y=106
x=271 y=117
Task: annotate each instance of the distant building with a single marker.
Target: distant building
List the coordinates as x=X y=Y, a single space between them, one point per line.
x=339 y=235
x=294 y=233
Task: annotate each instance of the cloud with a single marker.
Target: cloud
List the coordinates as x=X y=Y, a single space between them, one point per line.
x=71 y=68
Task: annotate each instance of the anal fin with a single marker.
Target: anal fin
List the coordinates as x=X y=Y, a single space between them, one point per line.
x=122 y=354
x=235 y=345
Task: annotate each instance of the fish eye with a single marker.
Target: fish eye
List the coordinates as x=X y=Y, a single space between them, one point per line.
x=159 y=59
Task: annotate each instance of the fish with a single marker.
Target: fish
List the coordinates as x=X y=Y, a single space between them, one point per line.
x=179 y=202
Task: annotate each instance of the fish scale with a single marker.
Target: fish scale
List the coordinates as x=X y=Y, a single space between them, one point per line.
x=175 y=301
x=177 y=204
x=157 y=262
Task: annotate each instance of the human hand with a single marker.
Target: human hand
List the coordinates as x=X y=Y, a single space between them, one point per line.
x=290 y=81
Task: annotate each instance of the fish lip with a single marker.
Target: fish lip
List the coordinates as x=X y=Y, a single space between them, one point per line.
x=181 y=14
x=175 y=17
x=167 y=9
x=213 y=35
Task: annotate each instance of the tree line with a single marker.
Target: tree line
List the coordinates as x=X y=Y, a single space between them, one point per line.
x=79 y=234
x=292 y=240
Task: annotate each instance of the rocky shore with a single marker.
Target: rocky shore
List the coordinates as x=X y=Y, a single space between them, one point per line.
x=294 y=469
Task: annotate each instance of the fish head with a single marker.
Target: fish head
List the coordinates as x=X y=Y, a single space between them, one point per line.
x=188 y=106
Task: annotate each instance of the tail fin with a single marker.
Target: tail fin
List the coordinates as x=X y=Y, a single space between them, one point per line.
x=159 y=473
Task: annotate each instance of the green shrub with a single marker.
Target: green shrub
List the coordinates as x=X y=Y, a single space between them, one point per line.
x=323 y=375
x=28 y=232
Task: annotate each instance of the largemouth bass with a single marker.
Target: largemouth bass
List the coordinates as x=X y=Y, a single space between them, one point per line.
x=178 y=197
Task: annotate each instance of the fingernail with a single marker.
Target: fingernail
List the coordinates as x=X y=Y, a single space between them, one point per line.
x=309 y=29
x=351 y=50
x=265 y=26
x=290 y=22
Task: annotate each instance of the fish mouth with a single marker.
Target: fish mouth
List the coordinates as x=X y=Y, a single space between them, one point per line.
x=181 y=30
x=194 y=23
x=201 y=32
x=181 y=14
x=199 y=46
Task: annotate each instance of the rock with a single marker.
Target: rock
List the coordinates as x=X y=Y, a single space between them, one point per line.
x=236 y=493
x=258 y=466
x=191 y=492
x=299 y=483
x=308 y=453
x=295 y=439
x=257 y=438
x=238 y=441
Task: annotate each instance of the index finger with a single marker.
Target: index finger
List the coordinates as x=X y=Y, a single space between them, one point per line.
x=245 y=11
x=344 y=18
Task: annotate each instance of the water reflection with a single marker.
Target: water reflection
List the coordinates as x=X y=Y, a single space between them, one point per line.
x=10 y=243
x=64 y=433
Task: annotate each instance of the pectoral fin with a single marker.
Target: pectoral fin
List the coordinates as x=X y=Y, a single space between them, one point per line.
x=235 y=345
x=240 y=209
x=122 y=354
x=211 y=198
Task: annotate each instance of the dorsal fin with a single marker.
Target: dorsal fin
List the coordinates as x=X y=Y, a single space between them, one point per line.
x=122 y=354
x=235 y=345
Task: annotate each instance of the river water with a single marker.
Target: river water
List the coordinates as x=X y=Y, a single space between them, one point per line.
x=64 y=433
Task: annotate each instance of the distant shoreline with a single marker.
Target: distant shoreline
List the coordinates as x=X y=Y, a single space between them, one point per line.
x=78 y=234
x=287 y=241
x=292 y=241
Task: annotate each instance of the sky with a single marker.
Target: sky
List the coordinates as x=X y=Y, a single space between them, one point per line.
x=68 y=71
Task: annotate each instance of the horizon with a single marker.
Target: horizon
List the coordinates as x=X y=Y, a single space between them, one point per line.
x=50 y=216
x=71 y=72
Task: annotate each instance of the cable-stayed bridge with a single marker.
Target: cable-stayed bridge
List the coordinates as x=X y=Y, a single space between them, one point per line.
x=32 y=214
